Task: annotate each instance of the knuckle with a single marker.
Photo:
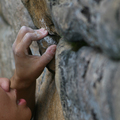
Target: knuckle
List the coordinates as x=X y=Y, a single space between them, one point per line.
x=28 y=36
x=17 y=52
x=24 y=29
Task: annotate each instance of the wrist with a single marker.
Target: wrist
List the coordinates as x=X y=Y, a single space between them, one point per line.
x=20 y=83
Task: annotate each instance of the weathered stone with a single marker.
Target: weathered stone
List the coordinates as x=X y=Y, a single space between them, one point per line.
x=86 y=81
x=0 y=9
x=48 y=101
x=88 y=84
x=16 y=16
x=11 y=20
x=95 y=21
x=78 y=20
x=40 y=14
x=6 y=57
x=41 y=17
x=44 y=44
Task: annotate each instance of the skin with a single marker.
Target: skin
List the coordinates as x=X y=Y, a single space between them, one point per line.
x=18 y=94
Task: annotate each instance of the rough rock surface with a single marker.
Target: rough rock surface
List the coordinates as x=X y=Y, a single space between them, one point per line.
x=84 y=80
x=41 y=17
x=88 y=83
x=95 y=21
x=16 y=16
x=40 y=14
x=11 y=20
x=48 y=101
x=6 y=57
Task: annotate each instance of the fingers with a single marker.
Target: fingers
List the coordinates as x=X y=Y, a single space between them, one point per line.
x=29 y=37
x=5 y=84
x=47 y=56
x=22 y=33
x=25 y=37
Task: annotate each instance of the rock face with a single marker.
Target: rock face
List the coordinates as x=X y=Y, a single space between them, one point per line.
x=95 y=21
x=48 y=102
x=82 y=82
x=87 y=82
x=11 y=20
x=10 y=23
x=6 y=58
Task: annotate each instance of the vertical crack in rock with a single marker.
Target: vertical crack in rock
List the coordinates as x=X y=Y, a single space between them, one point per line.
x=98 y=1
x=53 y=3
x=118 y=14
x=99 y=72
x=85 y=69
x=94 y=115
x=63 y=84
x=25 y=1
x=86 y=12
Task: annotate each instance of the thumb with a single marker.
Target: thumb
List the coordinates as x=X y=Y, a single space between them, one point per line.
x=47 y=56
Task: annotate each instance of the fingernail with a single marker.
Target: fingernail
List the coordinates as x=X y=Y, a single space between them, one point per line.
x=53 y=50
x=43 y=31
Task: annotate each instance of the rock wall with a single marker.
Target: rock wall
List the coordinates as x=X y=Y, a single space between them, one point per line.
x=82 y=82
x=48 y=105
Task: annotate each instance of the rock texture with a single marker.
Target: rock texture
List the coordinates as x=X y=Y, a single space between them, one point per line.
x=6 y=58
x=41 y=17
x=40 y=14
x=82 y=82
x=10 y=23
x=88 y=83
x=95 y=21
x=11 y=20
x=48 y=103
x=84 y=76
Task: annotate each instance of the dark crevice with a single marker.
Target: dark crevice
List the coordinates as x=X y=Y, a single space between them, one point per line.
x=118 y=14
x=99 y=72
x=4 y=19
x=86 y=12
x=78 y=44
x=94 y=115
x=85 y=68
x=98 y=1
x=94 y=85
x=100 y=76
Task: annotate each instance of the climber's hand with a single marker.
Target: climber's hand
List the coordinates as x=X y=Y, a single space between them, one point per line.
x=29 y=67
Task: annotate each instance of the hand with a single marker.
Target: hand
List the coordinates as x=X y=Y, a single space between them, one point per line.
x=29 y=67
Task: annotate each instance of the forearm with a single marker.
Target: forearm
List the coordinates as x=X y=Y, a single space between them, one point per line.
x=27 y=93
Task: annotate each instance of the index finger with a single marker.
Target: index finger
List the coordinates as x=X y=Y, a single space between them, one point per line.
x=29 y=37
x=22 y=33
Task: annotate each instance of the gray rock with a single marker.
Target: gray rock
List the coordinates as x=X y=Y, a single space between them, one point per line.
x=6 y=57
x=95 y=21
x=88 y=84
x=15 y=14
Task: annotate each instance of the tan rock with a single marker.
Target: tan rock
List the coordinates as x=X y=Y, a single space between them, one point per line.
x=15 y=14
x=48 y=101
x=6 y=57
x=11 y=20
x=41 y=17
x=40 y=14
